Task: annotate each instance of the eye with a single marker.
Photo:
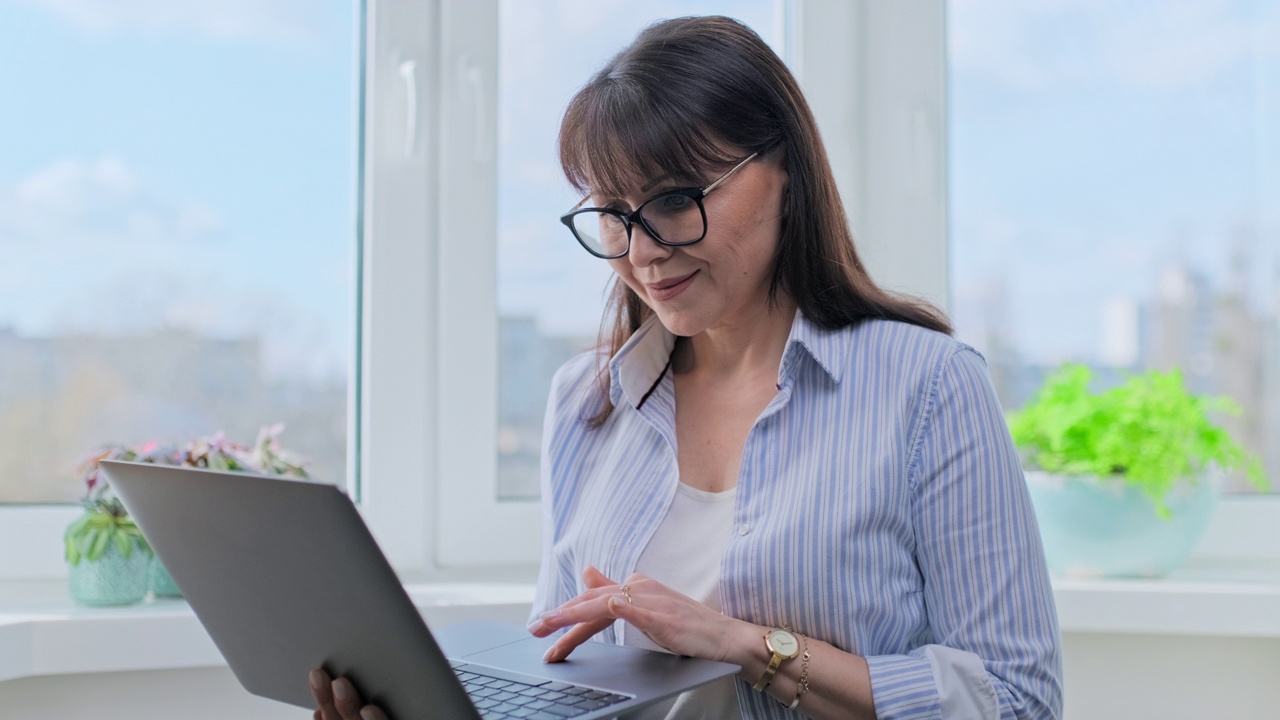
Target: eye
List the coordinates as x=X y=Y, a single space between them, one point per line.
x=671 y=204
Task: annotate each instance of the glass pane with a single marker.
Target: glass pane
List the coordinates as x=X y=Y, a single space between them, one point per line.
x=177 y=214
x=1115 y=195
x=550 y=290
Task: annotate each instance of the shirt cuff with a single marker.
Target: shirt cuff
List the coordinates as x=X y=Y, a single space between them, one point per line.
x=934 y=682
x=903 y=688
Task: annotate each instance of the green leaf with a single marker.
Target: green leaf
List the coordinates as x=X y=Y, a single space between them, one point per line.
x=99 y=547
x=78 y=526
x=124 y=544
x=85 y=541
x=73 y=555
x=101 y=520
x=1150 y=430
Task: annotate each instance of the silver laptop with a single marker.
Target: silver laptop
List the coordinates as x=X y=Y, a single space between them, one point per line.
x=285 y=577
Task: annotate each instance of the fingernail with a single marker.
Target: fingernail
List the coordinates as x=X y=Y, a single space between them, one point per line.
x=550 y=616
x=316 y=678
x=551 y=651
x=368 y=714
x=341 y=690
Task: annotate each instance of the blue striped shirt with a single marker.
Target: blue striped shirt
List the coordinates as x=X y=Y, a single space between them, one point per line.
x=881 y=507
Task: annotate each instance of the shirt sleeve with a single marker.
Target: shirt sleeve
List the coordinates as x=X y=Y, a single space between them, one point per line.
x=557 y=582
x=996 y=651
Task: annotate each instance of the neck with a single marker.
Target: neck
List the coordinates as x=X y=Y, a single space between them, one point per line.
x=750 y=346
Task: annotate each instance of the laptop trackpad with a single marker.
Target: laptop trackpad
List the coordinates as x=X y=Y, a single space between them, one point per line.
x=608 y=667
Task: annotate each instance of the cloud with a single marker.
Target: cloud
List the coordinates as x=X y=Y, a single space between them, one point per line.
x=1141 y=45
x=74 y=202
x=287 y=20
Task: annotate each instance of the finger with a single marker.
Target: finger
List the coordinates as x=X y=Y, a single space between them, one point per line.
x=346 y=699
x=576 y=610
x=372 y=712
x=644 y=620
x=322 y=691
x=572 y=639
x=594 y=578
x=586 y=612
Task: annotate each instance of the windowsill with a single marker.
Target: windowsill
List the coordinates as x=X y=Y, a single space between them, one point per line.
x=43 y=633
x=1213 y=597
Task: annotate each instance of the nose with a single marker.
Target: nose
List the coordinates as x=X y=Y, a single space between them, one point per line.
x=644 y=249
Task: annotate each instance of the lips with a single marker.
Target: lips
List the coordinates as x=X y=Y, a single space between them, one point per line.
x=670 y=287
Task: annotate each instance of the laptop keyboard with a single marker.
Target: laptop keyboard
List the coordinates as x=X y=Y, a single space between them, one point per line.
x=500 y=695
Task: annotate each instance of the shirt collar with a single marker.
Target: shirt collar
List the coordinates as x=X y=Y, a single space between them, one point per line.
x=643 y=359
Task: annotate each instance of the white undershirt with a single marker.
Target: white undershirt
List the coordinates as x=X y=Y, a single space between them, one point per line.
x=684 y=554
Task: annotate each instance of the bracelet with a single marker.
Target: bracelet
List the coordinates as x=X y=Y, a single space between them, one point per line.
x=802 y=686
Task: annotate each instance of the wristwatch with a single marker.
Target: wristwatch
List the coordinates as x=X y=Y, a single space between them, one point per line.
x=784 y=646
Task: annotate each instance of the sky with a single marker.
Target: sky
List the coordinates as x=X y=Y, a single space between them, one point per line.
x=1093 y=143
x=192 y=163
x=185 y=164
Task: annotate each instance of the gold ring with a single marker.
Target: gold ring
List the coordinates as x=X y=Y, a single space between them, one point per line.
x=626 y=593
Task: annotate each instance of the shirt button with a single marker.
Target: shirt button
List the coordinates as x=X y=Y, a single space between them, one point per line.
x=744 y=529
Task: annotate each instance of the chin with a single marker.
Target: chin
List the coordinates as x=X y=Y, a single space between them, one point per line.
x=680 y=323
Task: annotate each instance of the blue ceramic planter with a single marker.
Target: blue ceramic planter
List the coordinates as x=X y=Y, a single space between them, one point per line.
x=1104 y=527
x=160 y=582
x=112 y=579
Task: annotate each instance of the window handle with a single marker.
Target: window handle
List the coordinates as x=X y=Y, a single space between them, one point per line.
x=409 y=72
x=472 y=86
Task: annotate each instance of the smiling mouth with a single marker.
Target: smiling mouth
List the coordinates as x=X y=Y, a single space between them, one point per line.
x=667 y=289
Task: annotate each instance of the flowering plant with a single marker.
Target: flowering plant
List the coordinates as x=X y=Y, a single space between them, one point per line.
x=106 y=521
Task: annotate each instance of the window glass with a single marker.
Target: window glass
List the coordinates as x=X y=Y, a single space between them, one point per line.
x=177 y=226
x=1115 y=195
x=550 y=291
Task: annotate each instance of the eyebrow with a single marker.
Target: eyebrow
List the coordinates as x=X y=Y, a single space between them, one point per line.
x=654 y=183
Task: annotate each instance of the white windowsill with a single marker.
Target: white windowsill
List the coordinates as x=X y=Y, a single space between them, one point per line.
x=1207 y=597
x=43 y=633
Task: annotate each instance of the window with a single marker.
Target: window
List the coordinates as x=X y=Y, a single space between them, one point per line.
x=470 y=291
x=178 y=232
x=1115 y=196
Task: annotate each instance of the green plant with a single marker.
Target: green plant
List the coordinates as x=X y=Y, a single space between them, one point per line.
x=1150 y=431
x=105 y=520
x=104 y=523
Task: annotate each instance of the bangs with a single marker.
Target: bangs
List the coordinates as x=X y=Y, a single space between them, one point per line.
x=618 y=136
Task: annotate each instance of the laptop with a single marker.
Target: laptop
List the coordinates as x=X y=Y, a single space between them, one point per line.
x=285 y=577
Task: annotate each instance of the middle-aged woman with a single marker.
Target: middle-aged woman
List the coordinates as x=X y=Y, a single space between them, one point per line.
x=771 y=461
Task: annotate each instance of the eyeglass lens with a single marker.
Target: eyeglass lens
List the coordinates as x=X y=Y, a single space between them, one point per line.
x=673 y=219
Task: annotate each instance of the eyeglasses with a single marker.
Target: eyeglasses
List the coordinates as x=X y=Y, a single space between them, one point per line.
x=673 y=218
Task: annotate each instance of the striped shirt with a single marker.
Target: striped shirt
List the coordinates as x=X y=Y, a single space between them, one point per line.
x=881 y=507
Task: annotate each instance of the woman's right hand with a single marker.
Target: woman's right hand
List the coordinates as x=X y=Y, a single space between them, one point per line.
x=338 y=699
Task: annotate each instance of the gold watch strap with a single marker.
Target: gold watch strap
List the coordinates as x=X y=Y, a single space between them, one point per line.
x=769 y=672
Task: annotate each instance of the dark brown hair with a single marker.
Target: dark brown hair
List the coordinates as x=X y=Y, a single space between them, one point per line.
x=682 y=100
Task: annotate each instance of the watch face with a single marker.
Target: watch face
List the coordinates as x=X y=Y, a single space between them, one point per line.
x=784 y=643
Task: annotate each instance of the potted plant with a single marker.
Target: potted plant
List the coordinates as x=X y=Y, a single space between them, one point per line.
x=265 y=456
x=108 y=557
x=1124 y=481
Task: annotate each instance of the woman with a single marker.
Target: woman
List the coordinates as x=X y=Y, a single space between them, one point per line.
x=772 y=462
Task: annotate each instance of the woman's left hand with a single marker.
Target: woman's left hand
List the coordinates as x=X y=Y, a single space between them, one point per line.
x=672 y=620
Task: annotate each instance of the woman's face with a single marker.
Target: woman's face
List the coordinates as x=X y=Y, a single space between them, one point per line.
x=723 y=280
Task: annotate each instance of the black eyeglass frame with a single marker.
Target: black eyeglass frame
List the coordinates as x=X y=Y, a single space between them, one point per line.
x=630 y=218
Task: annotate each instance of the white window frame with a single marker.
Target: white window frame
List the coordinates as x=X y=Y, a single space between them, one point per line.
x=874 y=73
